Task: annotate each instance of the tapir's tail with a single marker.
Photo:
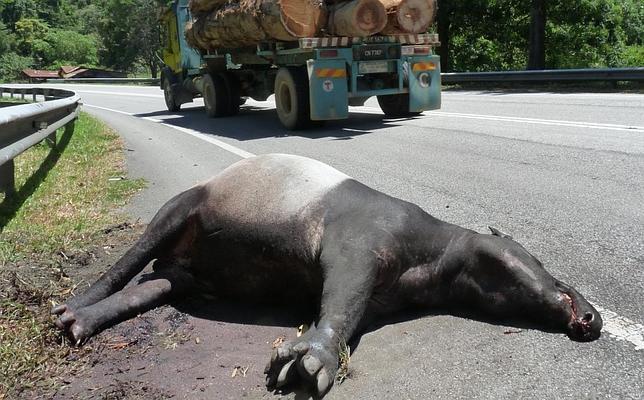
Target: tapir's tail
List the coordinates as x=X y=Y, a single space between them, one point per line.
x=164 y=227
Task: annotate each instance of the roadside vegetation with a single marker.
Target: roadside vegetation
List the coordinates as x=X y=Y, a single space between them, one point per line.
x=68 y=198
x=476 y=35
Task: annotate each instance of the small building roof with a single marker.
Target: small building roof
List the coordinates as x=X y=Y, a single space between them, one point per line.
x=67 y=69
x=40 y=74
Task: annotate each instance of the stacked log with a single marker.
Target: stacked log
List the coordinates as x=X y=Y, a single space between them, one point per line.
x=356 y=18
x=409 y=16
x=240 y=23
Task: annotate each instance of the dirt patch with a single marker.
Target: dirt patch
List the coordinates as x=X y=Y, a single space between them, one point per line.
x=196 y=348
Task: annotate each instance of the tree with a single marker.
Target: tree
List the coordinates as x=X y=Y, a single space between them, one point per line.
x=28 y=31
x=130 y=34
x=61 y=47
x=13 y=11
x=11 y=64
x=146 y=37
x=7 y=39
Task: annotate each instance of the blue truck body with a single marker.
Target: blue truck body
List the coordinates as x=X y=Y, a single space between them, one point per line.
x=323 y=75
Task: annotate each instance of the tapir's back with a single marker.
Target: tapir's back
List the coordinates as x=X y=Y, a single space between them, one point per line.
x=277 y=196
x=272 y=188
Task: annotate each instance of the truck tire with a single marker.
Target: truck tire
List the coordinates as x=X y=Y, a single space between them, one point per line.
x=396 y=105
x=215 y=95
x=233 y=88
x=292 y=98
x=170 y=96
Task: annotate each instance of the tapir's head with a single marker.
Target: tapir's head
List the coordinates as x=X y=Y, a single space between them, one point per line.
x=507 y=281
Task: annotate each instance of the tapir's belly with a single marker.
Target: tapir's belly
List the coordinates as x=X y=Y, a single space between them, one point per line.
x=256 y=272
x=263 y=221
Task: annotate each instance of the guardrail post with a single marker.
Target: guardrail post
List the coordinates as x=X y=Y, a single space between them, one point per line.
x=51 y=140
x=7 y=179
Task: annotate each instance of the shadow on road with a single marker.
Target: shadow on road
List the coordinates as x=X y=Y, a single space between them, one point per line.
x=240 y=312
x=257 y=123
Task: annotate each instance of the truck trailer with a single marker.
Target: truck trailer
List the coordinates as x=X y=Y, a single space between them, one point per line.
x=314 y=79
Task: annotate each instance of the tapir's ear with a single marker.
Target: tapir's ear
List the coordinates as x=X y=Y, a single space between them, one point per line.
x=498 y=233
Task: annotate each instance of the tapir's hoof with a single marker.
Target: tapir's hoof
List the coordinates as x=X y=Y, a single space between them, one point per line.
x=76 y=324
x=312 y=358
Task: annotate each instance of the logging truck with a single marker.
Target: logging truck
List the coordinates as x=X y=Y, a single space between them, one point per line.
x=314 y=79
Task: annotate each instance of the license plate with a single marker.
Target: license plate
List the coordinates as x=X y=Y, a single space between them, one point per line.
x=373 y=67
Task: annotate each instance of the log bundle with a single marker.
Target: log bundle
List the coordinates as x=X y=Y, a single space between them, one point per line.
x=241 y=23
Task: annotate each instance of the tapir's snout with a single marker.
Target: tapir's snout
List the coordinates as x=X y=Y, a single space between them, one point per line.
x=585 y=323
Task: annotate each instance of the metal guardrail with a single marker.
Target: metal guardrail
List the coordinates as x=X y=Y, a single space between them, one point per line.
x=551 y=75
x=24 y=125
x=151 y=81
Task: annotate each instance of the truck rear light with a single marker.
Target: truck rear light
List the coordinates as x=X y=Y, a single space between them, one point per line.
x=423 y=66
x=328 y=53
x=331 y=73
x=415 y=50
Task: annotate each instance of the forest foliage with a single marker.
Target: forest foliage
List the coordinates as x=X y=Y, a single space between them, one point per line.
x=478 y=35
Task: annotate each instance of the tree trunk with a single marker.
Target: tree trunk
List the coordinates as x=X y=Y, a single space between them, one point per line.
x=444 y=23
x=357 y=18
x=409 y=16
x=240 y=23
x=154 y=70
x=537 y=51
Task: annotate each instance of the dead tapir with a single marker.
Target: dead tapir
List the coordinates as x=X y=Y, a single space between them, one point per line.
x=282 y=226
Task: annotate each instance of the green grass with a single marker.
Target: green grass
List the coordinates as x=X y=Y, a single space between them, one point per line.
x=67 y=203
x=65 y=198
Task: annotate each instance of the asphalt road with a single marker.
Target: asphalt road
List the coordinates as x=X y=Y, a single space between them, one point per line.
x=561 y=172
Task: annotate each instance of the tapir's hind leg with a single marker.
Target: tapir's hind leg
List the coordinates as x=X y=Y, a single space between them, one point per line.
x=165 y=227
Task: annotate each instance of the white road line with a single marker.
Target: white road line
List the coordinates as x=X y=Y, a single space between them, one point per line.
x=228 y=147
x=551 y=122
x=618 y=327
x=119 y=94
x=371 y=110
x=109 y=109
x=622 y=329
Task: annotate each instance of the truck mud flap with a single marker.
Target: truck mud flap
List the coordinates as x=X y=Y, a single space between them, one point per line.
x=424 y=83
x=328 y=89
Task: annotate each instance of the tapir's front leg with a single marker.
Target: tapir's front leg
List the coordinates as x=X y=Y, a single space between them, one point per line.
x=349 y=276
x=156 y=289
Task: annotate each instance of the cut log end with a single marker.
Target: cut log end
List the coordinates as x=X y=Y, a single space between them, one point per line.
x=357 y=18
x=409 y=16
x=370 y=17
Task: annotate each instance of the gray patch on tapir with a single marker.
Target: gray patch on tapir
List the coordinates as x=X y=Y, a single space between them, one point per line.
x=277 y=189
